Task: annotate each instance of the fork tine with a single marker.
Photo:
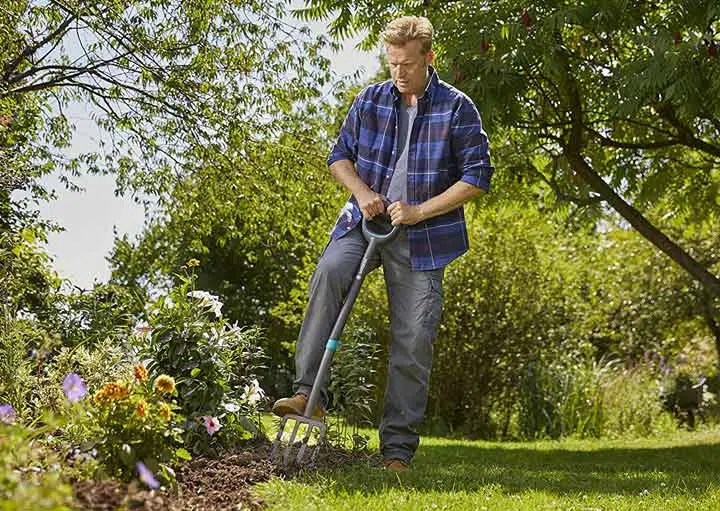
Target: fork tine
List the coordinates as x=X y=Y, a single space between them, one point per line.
x=303 y=447
x=321 y=440
x=302 y=450
x=286 y=457
x=278 y=439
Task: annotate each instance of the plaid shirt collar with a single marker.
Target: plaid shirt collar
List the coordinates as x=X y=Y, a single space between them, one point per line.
x=432 y=83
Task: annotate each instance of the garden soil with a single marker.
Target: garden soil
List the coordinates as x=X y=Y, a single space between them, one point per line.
x=207 y=484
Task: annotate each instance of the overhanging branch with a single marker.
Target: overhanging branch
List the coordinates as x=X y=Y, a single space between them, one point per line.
x=609 y=142
x=29 y=50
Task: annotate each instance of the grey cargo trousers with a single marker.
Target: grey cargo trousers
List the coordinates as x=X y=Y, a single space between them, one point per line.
x=415 y=299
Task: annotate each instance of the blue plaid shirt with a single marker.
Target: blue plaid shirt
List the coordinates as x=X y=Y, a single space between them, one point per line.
x=447 y=144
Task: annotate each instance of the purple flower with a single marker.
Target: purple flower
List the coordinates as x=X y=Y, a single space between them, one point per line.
x=74 y=387
x=146 y=476
x=7 y=414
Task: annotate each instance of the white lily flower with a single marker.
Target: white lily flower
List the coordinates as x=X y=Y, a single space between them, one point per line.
x=208 y=300
x=231 y=407
x=253 y=393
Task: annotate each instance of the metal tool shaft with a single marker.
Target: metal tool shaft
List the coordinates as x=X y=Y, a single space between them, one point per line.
x=336 y=332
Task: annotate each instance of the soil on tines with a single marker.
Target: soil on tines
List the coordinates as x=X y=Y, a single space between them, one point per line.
x=222 y=483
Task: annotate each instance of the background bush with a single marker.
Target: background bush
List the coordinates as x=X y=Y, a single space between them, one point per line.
x=539 y=325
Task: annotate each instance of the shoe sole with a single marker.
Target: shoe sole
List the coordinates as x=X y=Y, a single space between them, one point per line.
x=283 y=410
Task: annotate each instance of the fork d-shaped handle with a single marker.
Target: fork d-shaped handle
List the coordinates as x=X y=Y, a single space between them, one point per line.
x=380 y=229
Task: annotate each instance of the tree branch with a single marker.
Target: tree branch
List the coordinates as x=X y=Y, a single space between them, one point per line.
x=561 y=195
x=29 y=50
x=572 y=149
x=609 y=142
x=685 y=134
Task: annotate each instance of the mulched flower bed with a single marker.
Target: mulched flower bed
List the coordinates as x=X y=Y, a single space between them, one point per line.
x=208 y=484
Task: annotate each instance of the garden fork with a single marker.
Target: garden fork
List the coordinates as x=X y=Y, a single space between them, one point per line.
x=374 y=239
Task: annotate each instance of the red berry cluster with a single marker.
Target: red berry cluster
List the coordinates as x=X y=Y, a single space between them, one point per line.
x=527 y=20
x=713 y=46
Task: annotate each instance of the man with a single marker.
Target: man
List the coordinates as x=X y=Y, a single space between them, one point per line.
x=419 y=142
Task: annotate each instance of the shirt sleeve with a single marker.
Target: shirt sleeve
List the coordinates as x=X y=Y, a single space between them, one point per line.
x=470 y=146
x=346 y=146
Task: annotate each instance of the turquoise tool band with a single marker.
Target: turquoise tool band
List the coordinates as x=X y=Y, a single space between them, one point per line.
x=333 y=344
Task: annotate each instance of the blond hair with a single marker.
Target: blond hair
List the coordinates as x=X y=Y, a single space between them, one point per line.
x=409 y=28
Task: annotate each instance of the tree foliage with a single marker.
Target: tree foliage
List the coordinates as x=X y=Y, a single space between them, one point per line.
x=605 y=104
x=173 y=83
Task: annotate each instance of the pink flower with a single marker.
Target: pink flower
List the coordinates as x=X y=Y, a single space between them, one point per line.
x=212 y=424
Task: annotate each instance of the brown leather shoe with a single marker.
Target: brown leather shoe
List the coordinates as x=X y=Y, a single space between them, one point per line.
x=396 y=465
x=295 y=405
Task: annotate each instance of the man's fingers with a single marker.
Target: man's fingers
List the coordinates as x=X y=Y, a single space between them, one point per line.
x=396 y=216
x=373 y=208
x=378 y=205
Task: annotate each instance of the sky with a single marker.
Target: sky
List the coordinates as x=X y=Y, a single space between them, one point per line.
x=91 y=217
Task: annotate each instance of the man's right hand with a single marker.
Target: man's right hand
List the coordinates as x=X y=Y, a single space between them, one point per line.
x=371 y=204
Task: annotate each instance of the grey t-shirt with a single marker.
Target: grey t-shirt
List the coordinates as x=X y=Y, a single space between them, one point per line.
x=398 y=184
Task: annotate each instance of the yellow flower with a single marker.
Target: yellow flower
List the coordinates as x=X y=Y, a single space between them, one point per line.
x=193 y=263
x=110 y=392
x=165 y=383
x=165 y=411
x=141 y=408
x=141 y=372
x=121 y=391
x=101 y=396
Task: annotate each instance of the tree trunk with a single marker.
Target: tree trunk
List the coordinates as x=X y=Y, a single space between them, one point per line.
x=712 y=323
x=572 y=149
x=709 y=282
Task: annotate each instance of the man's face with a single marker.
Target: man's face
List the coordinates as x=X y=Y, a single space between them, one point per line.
x=408 y=66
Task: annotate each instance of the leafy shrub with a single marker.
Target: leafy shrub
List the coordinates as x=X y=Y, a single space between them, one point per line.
x=562 y=398
x=135 y=421
x=86 y=317
x=33 y=366
x=351 y=386
x=214 y=363
x=632 y=404
x=504 y=303
x=16 y=368
x=104 y=361
x=30 y=476
x=587 y=398
x=27 y=281
x=527 y=312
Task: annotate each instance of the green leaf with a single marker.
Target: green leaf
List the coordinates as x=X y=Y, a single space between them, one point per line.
x=183 y=454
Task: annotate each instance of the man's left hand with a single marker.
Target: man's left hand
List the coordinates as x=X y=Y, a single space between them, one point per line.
x=403 y=213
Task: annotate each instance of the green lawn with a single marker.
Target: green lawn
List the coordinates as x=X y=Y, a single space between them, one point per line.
x=678 y=472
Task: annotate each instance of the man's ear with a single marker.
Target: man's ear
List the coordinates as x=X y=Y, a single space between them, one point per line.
x=429 y=57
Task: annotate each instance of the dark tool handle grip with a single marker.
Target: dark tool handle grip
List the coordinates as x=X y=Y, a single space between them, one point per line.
x=379 y=228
